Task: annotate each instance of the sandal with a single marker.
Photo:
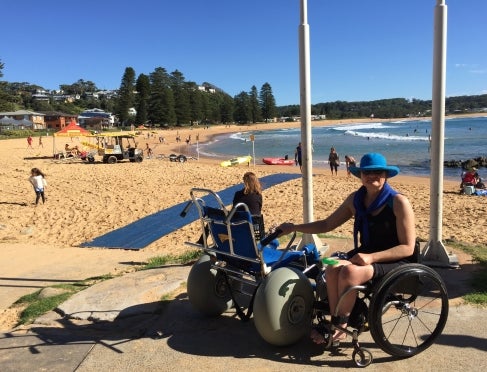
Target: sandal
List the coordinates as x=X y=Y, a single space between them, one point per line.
x=338 y=321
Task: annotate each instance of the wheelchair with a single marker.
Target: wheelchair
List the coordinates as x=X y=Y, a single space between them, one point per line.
x=284 y=290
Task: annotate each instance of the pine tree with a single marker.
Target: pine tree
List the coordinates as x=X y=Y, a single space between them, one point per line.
x=142 y=99
x=195 y=102
x=227 y=108
x=161 y=103
x=267 y=102
x=243 y=113
x=255 y=111
x=181 y=98
x=126 y=97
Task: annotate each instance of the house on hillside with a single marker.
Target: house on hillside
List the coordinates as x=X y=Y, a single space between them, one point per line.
x=25 y=119
x=96 y=118
x=57 y=120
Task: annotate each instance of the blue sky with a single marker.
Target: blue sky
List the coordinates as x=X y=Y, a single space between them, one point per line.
x=360 y=50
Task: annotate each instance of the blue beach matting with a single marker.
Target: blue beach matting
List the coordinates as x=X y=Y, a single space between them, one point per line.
x=144 y=231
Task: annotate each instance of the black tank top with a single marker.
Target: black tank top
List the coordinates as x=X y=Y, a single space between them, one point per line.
x=383 y=234
x=382 y=231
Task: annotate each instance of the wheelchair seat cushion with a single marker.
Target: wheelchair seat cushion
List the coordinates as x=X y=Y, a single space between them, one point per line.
x=272 y=256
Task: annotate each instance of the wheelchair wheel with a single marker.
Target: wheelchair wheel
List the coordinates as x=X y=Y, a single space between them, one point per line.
x=408 y=310
x=283 y=307
x=207 y=289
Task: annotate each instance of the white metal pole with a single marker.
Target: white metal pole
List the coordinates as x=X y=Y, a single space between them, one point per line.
x=305 y=105
x=434 y=252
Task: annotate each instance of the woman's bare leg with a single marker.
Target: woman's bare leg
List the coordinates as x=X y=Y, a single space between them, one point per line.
x=349 y=276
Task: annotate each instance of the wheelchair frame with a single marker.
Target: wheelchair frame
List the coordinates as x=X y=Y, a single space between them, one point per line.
x=406 y=310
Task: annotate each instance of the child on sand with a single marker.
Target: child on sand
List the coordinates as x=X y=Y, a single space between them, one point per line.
x=38 y=180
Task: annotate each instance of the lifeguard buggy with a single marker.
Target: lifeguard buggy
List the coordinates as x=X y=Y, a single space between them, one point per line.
x=114 y=147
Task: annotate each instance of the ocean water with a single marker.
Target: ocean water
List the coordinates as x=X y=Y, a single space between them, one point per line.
x=404 y=143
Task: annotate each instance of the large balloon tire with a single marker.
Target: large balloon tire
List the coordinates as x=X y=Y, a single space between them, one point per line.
x=207 y=289
x=283 y=307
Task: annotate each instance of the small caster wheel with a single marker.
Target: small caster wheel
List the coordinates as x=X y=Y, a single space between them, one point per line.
x=362 y=357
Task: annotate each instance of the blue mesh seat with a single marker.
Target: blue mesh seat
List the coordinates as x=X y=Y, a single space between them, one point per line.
x=235 y=242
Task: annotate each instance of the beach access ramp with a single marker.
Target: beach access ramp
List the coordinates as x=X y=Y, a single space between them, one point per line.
x=141 y=233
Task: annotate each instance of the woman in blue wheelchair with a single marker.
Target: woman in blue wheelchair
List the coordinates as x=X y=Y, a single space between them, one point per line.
x=384 y=237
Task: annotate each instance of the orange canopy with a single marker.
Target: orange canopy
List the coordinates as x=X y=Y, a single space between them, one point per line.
x=72 y=130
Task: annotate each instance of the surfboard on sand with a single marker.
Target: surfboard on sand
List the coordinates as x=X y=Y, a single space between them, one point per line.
x=236 y=161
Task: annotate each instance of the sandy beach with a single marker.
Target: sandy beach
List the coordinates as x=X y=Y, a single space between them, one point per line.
x=85 y=201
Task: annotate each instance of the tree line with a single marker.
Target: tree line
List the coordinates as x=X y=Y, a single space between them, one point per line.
x=159 y=98
x=388 y=108
x=168 y=99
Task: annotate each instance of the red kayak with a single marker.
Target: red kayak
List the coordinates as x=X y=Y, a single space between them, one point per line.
x=277 y=161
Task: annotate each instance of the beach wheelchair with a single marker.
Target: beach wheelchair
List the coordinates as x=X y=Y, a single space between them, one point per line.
x=284 y=290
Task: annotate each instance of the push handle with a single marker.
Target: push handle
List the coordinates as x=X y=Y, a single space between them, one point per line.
x=269 y=238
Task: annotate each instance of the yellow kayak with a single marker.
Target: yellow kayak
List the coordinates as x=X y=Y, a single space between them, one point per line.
x=236 y=161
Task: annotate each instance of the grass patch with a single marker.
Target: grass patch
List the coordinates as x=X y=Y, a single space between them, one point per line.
x=38 y=307
x=479 y=278
x=182 y=259
x=35 y=305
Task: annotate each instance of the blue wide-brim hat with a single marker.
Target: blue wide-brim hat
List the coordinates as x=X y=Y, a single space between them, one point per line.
x=374 y=161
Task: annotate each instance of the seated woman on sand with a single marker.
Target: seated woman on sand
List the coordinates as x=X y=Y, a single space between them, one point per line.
x=71 y=151
x=471 y=178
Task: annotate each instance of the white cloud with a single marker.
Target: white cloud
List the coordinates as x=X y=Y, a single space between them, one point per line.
x=478 y=71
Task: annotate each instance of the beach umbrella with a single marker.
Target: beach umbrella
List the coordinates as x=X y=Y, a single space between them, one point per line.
x=71 y=130
x=24 y=123
x=6 y=120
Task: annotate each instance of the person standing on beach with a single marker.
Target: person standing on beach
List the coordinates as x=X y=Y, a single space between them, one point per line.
x=29 y=142
x=334 y=161
x=384 y=237
x=349 y=162
x=149 y=151
x=40 y=142
x=298 y=157
x=38 y=180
